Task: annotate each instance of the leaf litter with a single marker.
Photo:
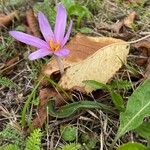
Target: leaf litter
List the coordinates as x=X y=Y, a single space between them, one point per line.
x=82 y=49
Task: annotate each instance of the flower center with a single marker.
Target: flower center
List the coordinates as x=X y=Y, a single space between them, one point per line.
x=54 y=46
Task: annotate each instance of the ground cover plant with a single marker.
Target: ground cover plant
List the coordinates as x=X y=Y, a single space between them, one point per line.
x=74 y=75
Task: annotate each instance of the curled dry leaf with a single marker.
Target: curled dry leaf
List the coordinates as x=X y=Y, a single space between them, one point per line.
x=144 y=47
x=128 y=21
x=33 y=23
x=5 y=20
x=45 y=95
x=91 y=58
x=119 y=26
x=143 y=44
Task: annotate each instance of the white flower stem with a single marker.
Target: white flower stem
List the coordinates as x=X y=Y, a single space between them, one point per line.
x=60 y=64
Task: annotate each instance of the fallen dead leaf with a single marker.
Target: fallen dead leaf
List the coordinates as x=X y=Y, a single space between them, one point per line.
x=45 y=95
x=128 y=21
x=81 y=47
x=143 y=44
x=91 y=58
x=101 y=66
x=147 y=70
x=117 y=26
x=33 y=23
x=144 y=48
x=5 y=20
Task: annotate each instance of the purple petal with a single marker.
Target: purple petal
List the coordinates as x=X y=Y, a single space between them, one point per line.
x=29 y=39
x=60 y=23
x=39 y=54
x=62 y=52
x=67 y=34
x=45 y=27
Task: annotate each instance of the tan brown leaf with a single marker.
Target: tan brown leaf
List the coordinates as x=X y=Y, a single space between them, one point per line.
x=101 y=66
x=143 y=44
x=144 y=48
x=33 y=23
x=45 y=95
x=81 y=47
x=128 y=21
x=5 y=20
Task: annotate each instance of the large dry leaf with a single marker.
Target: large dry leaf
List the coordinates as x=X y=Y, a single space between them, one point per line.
x=91 y=58
x=101 y=66
x=81 y=47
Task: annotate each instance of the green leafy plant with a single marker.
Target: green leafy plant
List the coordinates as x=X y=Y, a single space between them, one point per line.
x=47 y=8
x=69 y=109
x=71 y=146
x=34 y=140
x=10 y=147
x=144 y=130
x=12 y=135
x=137 y=109
x=111 y=89
x=68 y=132
x=75 y=9
x=132 y=146
x=6 y=82
x=89 y=141
x=30 y=98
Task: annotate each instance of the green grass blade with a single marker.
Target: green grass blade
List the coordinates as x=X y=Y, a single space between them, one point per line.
x=69 y=109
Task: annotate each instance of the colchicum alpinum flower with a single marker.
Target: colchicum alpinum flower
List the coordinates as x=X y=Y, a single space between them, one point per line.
x=54 y=41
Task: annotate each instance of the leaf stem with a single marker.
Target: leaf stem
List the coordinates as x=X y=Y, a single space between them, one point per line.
x=60 y=64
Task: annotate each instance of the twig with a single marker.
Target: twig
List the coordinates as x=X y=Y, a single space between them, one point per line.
x=145 y=37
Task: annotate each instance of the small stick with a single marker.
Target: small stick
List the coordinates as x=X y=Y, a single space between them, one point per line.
x=143 y=38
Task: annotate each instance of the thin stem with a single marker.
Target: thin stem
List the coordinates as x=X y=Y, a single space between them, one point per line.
x=60 y=64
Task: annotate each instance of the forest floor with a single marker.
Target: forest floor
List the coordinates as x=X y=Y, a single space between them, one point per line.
x=19 y=77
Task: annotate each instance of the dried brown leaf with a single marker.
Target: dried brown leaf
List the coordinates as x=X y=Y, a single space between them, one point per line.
x=144 y=48
x=5 y=20
x=101 y=66
x=81 y=47
x=33 y=23
x=45 y=95
x=143 y=44
x=117 y=26
x=128 y=21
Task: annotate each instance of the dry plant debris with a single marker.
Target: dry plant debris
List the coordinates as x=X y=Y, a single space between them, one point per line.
x=128 y=21
x=5 y=20
x=33 y=23
x=98 y=59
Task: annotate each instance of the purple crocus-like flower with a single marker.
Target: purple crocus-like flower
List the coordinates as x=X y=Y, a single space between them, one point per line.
x=54 y=41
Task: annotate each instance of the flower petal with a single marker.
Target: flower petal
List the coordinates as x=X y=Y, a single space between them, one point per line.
x=67 y=34
x=29 y=39
x=39 y=54
x=60 y=23
x=45 y=27
x=62 y=52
